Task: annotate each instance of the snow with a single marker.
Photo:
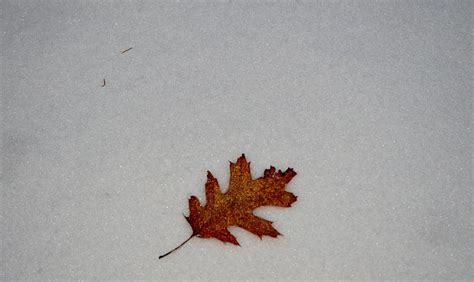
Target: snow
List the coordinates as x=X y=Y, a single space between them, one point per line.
x=370 y=102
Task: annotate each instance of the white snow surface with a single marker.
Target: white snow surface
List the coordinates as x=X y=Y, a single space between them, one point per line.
x=370 y=102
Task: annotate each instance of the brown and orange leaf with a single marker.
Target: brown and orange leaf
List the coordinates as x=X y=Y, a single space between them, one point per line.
x=235 y=207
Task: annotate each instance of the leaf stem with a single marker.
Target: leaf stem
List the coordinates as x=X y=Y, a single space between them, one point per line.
x=162 y=256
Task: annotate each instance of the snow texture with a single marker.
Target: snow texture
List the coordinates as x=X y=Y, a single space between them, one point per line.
x=370 y=102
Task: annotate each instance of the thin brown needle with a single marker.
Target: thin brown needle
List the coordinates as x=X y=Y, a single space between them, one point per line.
x=126 y=50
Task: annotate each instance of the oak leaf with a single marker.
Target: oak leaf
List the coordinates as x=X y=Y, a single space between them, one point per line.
x=235 y=207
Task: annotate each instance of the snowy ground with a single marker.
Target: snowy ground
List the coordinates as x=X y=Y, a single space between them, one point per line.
x=370 y=102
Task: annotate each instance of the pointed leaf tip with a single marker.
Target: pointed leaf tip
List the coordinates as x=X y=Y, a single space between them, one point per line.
x=242 y=159
x=210 y=176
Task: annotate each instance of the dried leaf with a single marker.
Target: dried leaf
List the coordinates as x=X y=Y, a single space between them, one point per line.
x=235 y=207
